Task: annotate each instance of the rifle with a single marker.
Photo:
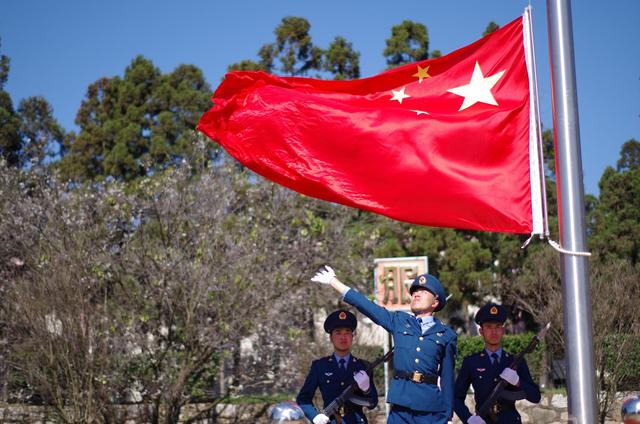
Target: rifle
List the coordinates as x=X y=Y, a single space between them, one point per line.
x=487 y=410
x=334 y=407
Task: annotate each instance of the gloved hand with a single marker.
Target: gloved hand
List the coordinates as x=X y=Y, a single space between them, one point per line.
x=320 y=419
x=362 y=379
x=474 y=419
x=510 y=376
x=324 y=275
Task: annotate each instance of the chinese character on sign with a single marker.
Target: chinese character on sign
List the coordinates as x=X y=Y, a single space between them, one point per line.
x=393 y=277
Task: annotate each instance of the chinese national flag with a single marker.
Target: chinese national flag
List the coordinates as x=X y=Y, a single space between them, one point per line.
x=443 y=142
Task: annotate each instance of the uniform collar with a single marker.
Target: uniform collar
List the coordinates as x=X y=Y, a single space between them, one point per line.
x=499 y=352
x=347 y=358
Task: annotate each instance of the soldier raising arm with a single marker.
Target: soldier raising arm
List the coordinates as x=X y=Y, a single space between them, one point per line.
x=422 y=388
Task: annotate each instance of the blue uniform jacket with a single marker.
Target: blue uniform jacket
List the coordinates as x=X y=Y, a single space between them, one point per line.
x=433 y=353
x=332 y=381
x=477 y=370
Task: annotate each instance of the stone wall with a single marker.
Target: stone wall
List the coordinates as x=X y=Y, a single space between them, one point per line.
x=552 y=409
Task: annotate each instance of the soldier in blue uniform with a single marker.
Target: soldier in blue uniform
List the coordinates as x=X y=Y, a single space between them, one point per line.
x=421 y=391
x=483 y=369
x=334 y=373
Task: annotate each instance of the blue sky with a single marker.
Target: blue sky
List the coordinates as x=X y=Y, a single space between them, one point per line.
x=58 y=48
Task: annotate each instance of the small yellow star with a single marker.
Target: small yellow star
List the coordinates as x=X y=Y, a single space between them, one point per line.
x=422 y=73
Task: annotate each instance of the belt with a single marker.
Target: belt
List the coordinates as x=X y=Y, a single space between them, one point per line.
x=416 y=377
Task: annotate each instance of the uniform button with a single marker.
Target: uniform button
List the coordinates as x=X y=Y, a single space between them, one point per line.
x=495 y=379
x=420 y=338
x=417 y=360
x=418 y=349
x=342 y=383
x=327 y=381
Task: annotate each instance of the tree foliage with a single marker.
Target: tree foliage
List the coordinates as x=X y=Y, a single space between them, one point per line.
x=615 y=217
x=10 y=140
x=130 y=124
x=138 y=292
x=44 y=138
x=341 y=60
x=293 y=53
x=409 y=42
x=491 y=27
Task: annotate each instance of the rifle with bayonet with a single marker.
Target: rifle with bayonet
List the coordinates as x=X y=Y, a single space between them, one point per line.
x=488 y=410
x=347 y=394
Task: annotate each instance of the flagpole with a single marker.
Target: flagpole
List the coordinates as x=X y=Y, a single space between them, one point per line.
x=573 y=268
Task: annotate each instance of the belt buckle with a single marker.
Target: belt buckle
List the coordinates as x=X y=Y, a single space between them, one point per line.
x=417 y=377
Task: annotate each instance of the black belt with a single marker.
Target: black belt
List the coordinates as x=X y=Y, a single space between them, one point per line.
x=416 y=377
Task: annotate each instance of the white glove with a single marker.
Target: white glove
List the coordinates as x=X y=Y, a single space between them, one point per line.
x=362 y=379
x=474 y=419
x=324 y=275
x=320 y=419
x=510 y=376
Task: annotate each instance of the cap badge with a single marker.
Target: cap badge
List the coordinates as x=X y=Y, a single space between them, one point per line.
x=493 y=310
x=342 y=315
x=422 y=280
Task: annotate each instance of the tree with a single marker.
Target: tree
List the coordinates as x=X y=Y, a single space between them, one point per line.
x=616 y=333
x=10 y=140
x=615 y=219
x=44 y=138
x=294 y=47
x=629 y=156
x=409 y=42
x=135 y=123
x=341 y=60
x=491 y=27
x=139 y=292
x=293 y=53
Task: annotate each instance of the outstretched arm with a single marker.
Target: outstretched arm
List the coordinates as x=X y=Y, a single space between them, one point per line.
x=379 y=315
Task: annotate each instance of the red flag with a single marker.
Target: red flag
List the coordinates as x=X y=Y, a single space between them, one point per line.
x=442 y=142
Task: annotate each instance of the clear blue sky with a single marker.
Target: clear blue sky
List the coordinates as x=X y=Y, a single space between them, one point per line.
x=58 y=48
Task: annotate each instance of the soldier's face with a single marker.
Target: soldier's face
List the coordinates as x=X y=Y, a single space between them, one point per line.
x=342 y=338
x=492 y=333
x=423 y=301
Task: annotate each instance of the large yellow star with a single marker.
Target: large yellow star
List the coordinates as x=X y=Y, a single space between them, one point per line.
x=422 y=73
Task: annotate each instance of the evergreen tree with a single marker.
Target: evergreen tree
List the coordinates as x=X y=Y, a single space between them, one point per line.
x=341 y=60
x=490 y=28
x=409 y=42
x=615 y=219
x=10 y=140
x=294 y=48
x=135 y=123
x=43 y=137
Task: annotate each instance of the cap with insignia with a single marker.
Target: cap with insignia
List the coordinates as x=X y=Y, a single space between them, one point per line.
x=431 y=284
x=340 y=319
x=491 y=313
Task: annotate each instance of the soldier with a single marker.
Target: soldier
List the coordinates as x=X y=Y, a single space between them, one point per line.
x=421 y=391
x=334 y=373
x=483 y=369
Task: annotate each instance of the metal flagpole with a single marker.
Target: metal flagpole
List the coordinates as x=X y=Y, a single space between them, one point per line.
x=573 y=268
